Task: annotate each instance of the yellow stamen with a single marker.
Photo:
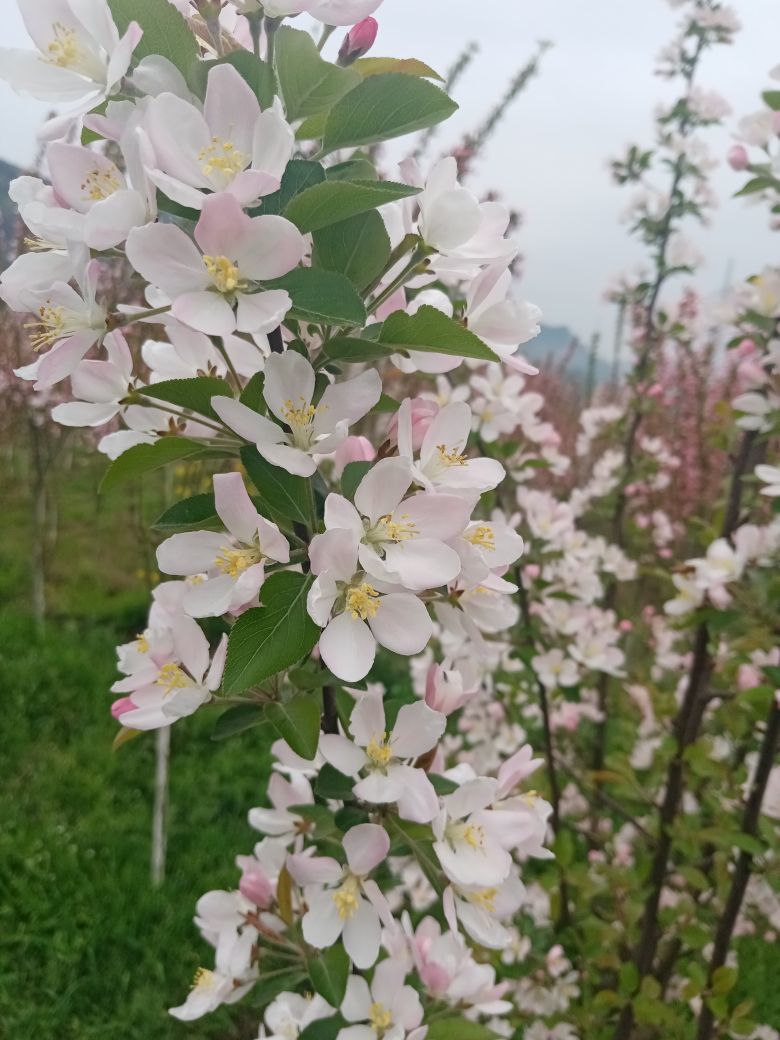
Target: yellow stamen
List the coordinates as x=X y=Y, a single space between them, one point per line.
x=64 y=49
x=203 y=978
x=389 y=530
x=236 y=561
x=223 y=158
x=450 y=457
x=484 y=899
x=99 y=184
x=172 y=678
x=378 y=750
x=347 y=899
x=362 y=602
x=52 y=326
x=474 y=836
x=301 y=416
x=379 y=1018
x=224 y=273
x=142 y=643
x=483 y=536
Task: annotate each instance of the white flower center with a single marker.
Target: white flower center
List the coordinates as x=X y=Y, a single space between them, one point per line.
x=449 y=457
x=379 y=751
x=389 y=529
x=171 y=678
x=64 y=49
x=100 y=184
x=235 y=561
x=221 y=161
x=54 y=323
x=483 y=537
x=362 y=602
x=347 y=897
x=224 y=273
x=379 y=1018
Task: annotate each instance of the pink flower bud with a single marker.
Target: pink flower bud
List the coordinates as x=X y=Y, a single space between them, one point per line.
x=626 y=626
x=532 y=571
x=423 y=414
x=655 y=390
x=256 y=887
x=118 y=708
x=445 y=689
x=358 y=41
x=746 y=348
x=738 y=157
x=748 y=677
x=353 y=449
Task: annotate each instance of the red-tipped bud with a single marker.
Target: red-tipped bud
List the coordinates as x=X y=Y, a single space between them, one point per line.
x=738 y=157
x=358 y=41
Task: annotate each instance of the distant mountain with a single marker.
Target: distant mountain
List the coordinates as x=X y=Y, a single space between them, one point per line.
x=558 y=348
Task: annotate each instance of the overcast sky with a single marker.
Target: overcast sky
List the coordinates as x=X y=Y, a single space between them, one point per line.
x=596 y=93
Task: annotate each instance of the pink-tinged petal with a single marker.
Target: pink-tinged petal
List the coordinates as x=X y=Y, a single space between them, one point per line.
x=165 y=256
x=273 y=143
x=178 y=134
x=451 y=427
x=478 y=475
x=347 y=401
x=191 y=552
x=63 y=358
x=235 y=507
x=348 y=648
x=336 y=552
x=217 y=666
x=205 y=311
x=222 y=226
x=382 y=488
x=248 y=187
x=438 y=515
x=271 y=246
x=313 y=870
x=402 y=624
x=72 y=170
x=423 y=563
x=367 y=721
x=191 y=645
x=82 y=413
x=249 y=425
x=261 y=312
x=121 y=55
x=356 y=1006
x=357 y=1033
x=322 y=924
x=379 y=789
x=292 y=459
x=273 y=544
x=289 y=382
x=365 y=846
x=470 y=797
x=177 y=190
x=342 y=754
x=231 y=107
x=363 y=936
x=387 y=984
x=109 y=223
x=29 y=74
x=210 y=598
x=341 y=514
x=417 y=729
x=418 y=801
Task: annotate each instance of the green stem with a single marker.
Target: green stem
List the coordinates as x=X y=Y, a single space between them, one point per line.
x=417 y=258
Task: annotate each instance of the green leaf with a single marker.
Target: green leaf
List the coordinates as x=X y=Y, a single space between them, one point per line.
x=382 y=107
x=299 y=175
x=237 y=719
x=192 y=394
x=358 y=248
x=272 y=983
x=351 y=476
x=431 y=331
x=191 y=514
x=386 y=404
x=270 y=638
x=417 y=838
x=408 y=66
x=724 y=979
x=755 y=184
x=257 y=73
x=323 y=1029
x=350 y=350
x=281 y=493
x=308 y=83
x=329 y=971
x=146 y=458
x=298 y=721
x=322 y=296
x=457 y=1028
x=772 y=99
x=252 y=394
x=358 y=168
x=330 y=783
x=165 y=30
x=333 y=201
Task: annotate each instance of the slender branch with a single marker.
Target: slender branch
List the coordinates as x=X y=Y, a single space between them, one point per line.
x=741 y=876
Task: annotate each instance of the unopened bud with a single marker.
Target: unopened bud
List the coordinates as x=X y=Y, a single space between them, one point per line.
x=256 y=887
x=358 y=41
x=738 y=157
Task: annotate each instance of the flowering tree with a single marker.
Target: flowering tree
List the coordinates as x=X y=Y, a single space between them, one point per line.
x=395 y=573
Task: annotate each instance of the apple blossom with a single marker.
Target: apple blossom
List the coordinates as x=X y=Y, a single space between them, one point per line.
x=289 y=1014
x=384 y=761
x=343 y=901
x=313 y=429
x=386 y=1008
x=234 y=562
